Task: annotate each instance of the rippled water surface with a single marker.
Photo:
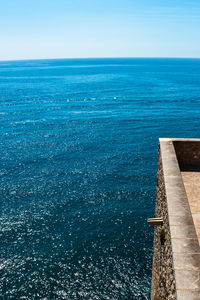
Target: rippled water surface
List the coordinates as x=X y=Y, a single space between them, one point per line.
x=79 y=142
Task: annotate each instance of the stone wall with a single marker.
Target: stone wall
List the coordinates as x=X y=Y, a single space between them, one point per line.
x=163 y=280
x=188 y=154
x=176 y=262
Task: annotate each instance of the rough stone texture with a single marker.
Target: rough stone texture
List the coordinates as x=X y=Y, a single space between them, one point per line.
x=163 y=279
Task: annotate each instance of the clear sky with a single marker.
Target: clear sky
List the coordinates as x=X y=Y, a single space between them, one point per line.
x=31 y=29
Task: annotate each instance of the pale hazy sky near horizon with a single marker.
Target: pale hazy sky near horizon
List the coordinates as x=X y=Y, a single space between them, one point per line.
x=37 y=29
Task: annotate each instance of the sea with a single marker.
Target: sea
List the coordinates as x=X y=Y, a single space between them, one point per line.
x=79 y=150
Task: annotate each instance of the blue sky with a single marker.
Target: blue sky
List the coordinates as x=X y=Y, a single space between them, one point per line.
x=31 y=29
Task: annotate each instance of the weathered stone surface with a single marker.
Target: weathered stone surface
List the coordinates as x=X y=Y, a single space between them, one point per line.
x=163 y=280
x=184 y=261
x=187 y=295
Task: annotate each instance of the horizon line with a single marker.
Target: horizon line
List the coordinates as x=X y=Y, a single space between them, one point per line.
x=101 y=57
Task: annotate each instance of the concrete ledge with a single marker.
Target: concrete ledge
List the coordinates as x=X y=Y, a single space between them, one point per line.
x=185 y=246
x=181 y=249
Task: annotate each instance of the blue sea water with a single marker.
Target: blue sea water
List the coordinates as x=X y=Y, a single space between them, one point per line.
x=79 y=143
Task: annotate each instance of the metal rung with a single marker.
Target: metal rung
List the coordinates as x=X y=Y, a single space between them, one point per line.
x=155 y=221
